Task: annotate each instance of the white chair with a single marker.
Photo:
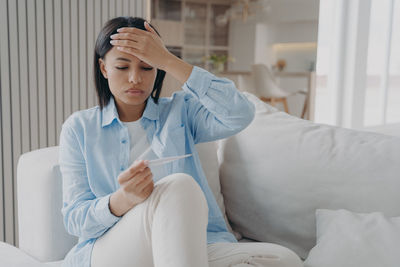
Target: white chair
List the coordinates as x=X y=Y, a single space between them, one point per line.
x=268 y=90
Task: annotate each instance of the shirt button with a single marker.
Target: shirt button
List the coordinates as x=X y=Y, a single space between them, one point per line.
x=123 y=141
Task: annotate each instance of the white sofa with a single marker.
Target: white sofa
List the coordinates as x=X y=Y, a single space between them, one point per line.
x=273 y=176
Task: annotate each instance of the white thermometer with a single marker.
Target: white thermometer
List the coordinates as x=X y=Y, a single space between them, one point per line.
x=157 y=162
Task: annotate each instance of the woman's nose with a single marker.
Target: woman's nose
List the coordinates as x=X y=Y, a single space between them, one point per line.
x=134 y=77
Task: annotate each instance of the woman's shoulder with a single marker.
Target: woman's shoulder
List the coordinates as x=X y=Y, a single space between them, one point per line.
x=86 y=118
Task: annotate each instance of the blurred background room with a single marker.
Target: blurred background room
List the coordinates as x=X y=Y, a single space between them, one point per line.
x=333 y=62
x=257 y=44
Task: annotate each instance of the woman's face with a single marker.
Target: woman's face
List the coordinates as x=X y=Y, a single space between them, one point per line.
x=130 y=79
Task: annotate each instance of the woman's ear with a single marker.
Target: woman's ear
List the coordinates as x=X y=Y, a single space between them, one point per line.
x=103 y=68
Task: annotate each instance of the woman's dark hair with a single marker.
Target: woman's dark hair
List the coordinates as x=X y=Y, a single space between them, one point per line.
x=103 y=45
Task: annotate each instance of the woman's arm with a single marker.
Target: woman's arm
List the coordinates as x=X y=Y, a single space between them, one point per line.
x=178 y=68
x=84 y=215
x=215 y=108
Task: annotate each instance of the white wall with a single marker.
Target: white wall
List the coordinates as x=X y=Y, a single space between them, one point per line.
x=241 y=45
x=293 y=10
x=264 y=35
x=296 y=32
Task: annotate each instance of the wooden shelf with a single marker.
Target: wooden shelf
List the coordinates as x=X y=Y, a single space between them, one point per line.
x=196 y=32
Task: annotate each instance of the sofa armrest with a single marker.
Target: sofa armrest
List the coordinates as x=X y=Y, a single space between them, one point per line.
x=39 y=184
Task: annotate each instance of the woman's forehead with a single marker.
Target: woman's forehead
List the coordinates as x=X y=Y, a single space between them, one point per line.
x=115 y=55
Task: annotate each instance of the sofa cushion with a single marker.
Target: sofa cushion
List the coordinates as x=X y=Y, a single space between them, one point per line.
x=348 y=239
x=279 y=170
x=209 y=161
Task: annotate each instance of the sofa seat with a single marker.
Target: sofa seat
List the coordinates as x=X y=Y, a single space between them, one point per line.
x=13 y=257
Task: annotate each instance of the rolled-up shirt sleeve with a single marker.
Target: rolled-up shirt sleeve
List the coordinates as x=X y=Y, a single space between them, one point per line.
x=84 y=214
x=215 y=108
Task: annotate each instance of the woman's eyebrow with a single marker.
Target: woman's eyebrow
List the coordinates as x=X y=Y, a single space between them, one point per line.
x=123 y=59
x=126 y=59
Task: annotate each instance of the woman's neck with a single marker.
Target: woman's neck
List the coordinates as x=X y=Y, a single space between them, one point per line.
x=129 y=113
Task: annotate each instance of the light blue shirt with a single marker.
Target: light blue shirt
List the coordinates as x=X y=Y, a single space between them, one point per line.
x=94 y=150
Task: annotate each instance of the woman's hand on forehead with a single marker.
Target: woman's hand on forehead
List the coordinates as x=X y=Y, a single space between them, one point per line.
x=145 y=45
x=134 y=30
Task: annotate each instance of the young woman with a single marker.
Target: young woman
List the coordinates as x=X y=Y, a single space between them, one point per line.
x=125 y=211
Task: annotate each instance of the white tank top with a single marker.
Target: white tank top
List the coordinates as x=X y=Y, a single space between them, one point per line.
x=139 y=144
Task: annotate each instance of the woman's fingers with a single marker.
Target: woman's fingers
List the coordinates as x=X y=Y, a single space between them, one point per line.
x=128 y=46
x=126 y=43
x=143 y=44
x=145 y=182
x=149 y=28
x=132 y=171
x=127 y=36
x=139 y=178
x=137 y=35
x=148 y=189
x=130 y=51
x=132 y=30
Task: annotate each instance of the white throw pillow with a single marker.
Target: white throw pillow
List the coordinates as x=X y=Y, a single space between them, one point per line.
x=280 y=169
x=349 y=239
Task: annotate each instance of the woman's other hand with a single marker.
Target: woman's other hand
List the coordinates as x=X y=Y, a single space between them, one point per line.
x=136 y=186
x=145 y=45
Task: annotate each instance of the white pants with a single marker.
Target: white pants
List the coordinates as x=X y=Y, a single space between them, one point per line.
x=169 y=229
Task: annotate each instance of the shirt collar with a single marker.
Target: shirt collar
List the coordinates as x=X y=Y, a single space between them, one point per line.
x=110 y=113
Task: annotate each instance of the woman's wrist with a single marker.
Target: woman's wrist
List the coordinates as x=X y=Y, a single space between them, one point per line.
x=177 y=68
x=119 y=205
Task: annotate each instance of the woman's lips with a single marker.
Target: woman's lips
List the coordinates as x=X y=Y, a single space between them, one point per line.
x=134 y=92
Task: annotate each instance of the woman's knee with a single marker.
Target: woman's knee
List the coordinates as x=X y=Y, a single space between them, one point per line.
x=185 y=188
